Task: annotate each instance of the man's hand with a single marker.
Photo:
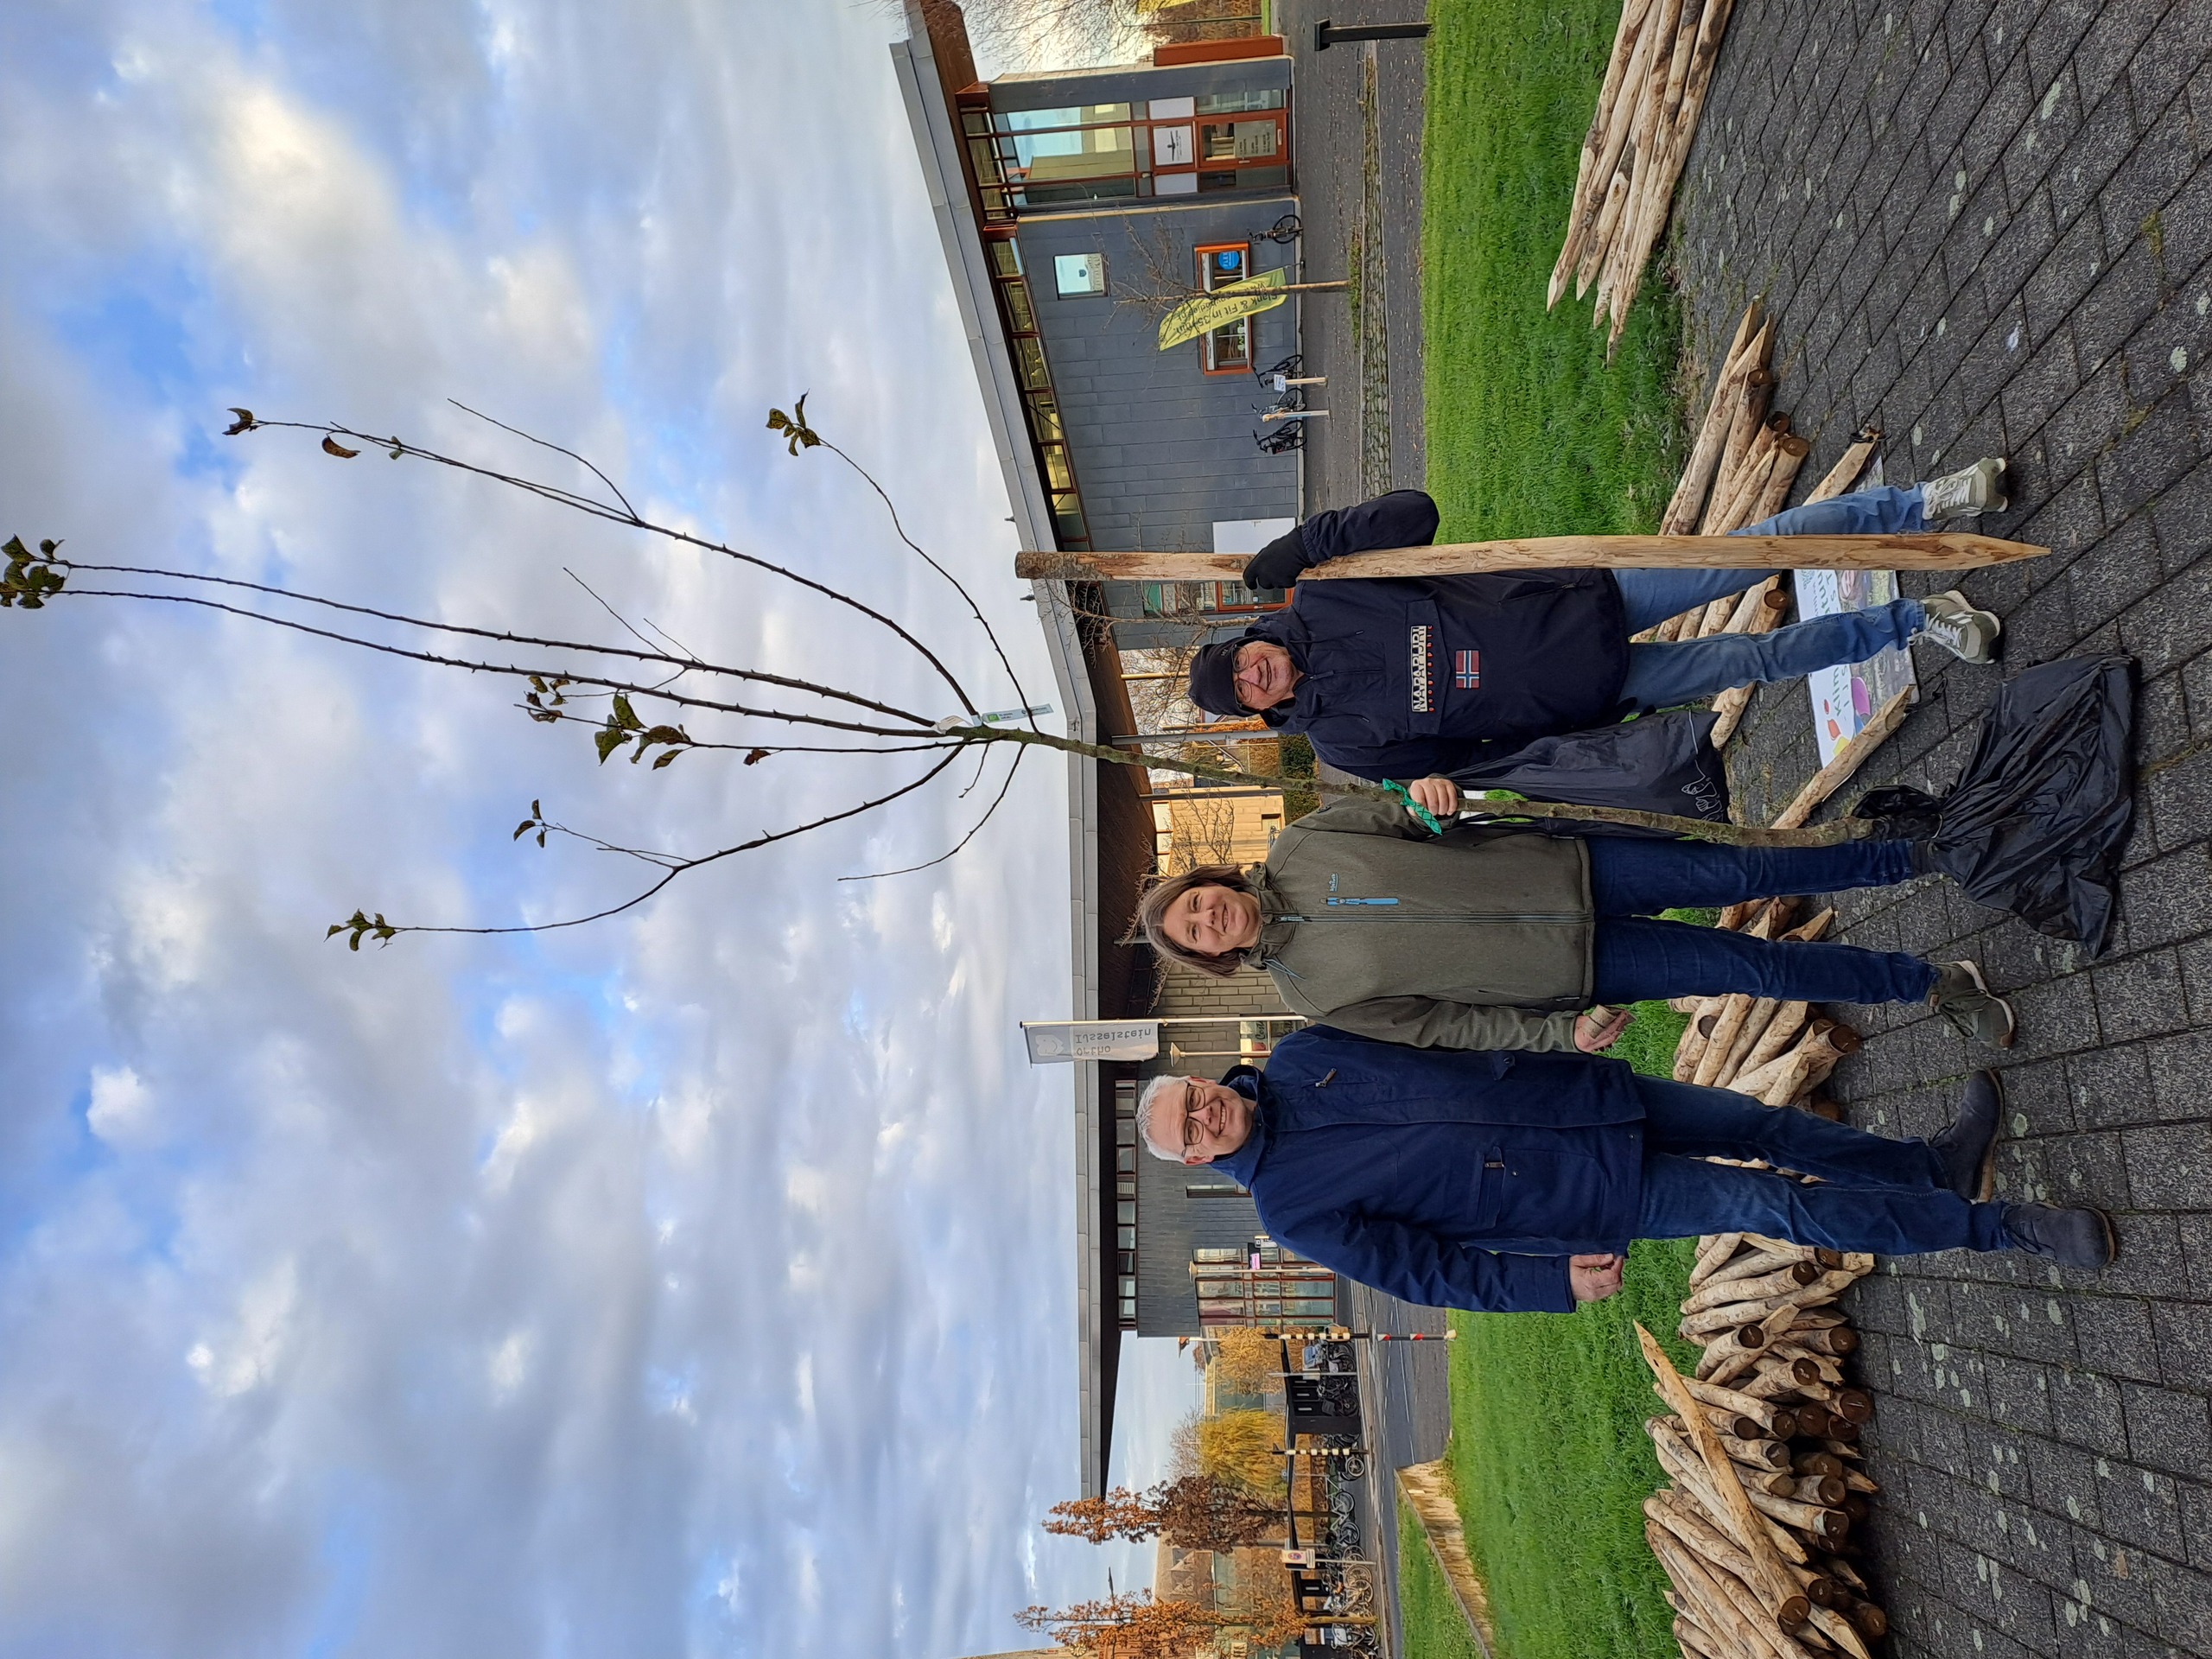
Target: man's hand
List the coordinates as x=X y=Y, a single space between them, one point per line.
x=1439 y=795
x=1593 y=1278
x=1600 y=1027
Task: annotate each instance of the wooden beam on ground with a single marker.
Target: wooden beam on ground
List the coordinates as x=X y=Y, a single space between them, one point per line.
x=1852 y=756
x=1948 y=551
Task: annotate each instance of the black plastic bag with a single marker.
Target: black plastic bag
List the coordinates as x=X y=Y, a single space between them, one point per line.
x=1661 y=763
x=2035 y=823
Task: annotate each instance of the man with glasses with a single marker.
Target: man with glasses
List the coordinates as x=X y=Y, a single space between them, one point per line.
x=1515 y=1181
x=1413 y=678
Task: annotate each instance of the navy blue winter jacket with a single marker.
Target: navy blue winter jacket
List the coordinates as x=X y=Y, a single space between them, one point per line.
x=1452 y=1178
x=1407 y=678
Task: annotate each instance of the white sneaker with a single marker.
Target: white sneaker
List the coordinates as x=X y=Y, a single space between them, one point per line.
x=1969 y=634
x=1967 y=493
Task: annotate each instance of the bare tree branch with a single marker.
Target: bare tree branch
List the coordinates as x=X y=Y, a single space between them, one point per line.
x=681 y=699
x=398 y=448
x=982 y=621
x=910 y=869
x=386 y=932
x=533 y=438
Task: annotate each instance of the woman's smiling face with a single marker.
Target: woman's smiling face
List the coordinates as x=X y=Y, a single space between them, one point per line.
x=1214 y=920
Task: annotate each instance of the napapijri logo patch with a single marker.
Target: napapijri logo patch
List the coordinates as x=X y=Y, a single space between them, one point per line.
x=1424 y=666
x=1466 y=670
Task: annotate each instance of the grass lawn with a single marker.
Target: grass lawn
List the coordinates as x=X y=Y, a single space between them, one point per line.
x=1548 y=1449
x=1434 y=1627
x=1530 y=433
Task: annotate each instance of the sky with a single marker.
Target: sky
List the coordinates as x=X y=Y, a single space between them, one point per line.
x=700 y=1281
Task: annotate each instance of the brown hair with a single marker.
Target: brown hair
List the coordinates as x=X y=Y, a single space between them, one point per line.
x=1152 y=916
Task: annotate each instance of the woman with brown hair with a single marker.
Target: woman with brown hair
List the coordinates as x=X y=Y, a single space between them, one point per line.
x=1488 y=936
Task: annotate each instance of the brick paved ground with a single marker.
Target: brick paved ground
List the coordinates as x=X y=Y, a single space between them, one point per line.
x=1987 y=228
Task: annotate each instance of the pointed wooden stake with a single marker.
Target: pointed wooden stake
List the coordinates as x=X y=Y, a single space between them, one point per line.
x=1952 y=551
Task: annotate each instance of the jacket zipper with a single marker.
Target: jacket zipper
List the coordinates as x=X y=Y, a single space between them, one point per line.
x=1531 y=916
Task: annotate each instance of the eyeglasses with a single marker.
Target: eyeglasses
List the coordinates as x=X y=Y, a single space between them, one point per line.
x=1193 y=1131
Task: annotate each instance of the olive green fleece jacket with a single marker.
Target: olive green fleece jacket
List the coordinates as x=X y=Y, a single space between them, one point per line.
x=1477 y=938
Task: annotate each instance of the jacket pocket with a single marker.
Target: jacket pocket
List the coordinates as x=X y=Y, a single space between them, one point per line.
x=1540 y=1193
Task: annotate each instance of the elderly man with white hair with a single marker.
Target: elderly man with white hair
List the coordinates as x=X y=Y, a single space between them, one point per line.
x=1514 y=1181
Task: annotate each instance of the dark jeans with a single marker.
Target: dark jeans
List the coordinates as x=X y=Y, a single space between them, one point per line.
x=1878 y=1194
x=1636 y=959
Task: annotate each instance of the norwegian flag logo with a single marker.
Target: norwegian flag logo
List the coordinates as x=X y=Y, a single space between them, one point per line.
x=1467 y=669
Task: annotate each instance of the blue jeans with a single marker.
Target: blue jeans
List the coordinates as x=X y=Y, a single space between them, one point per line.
x=1635 y=959
x=1689 y=671
x=1880 y=1195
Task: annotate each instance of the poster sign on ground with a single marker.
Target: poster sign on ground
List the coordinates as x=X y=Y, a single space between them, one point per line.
x=1845 y=699
x=1091 y=1039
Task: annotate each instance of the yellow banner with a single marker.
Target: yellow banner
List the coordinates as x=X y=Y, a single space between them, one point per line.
x=1222 y=307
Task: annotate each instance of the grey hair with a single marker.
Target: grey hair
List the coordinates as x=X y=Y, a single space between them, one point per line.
x=1146 y=1101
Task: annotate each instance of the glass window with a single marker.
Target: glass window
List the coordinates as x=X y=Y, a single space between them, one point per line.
x=1125 y=1158
x=1229 y=348
x=1125 y=1238
x=1020 y=314
x=1223 y=263
x=1072 y=115
x=1005 y=256
x=1125 y=1212
x=1045 y=418
x=1125 y=1133
x=1067 y=515
x=1237 y=103
x=1079 y=275
x=1078 y=153
x=1029 y=363
x=1058 y=475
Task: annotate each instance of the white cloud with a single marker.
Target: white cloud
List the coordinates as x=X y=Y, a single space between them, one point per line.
x=470 y=1290
x=122 y=1110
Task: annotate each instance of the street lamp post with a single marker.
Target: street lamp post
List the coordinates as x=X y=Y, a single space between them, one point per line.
x=1326 y=34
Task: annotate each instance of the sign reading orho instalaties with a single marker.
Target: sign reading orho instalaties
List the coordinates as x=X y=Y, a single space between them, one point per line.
x=1091 y=1039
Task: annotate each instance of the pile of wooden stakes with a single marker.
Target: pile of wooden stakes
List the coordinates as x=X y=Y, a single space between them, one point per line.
x=1778 y=1052
x=1740 y=471
x=1762 y=1449
x=1638 y=140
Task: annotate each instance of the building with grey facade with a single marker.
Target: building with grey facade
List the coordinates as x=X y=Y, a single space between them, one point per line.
x=1074 y=209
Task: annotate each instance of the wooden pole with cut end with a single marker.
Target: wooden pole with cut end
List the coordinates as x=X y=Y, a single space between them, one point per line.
x=1712 y=1254
x=1771 y=1579
x=1841 y=476
x=1789 y=453
x=1610 y=127
x=1838 y=771
x=1753 y=387
x=1695 y=1481
x=1950 y=550
x=1640 y=155
x=1676 y=143
x=1721 y=1608
x=1688 y=500
x=1719 y=1293
x=1625 y=38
